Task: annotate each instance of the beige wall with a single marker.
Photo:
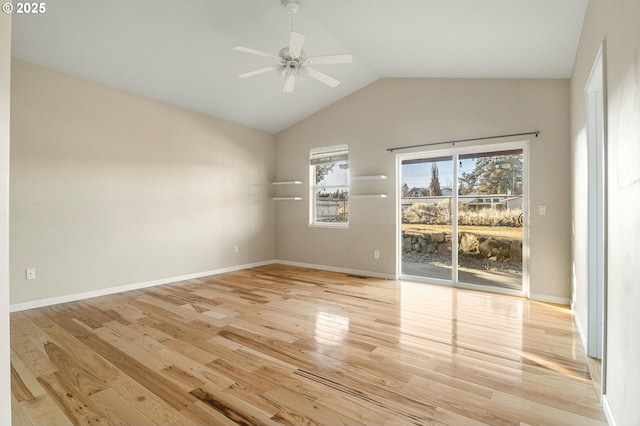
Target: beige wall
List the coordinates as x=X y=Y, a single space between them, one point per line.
x=5 y=83
x=617 y=22
x=109 y=188
x=395 y=112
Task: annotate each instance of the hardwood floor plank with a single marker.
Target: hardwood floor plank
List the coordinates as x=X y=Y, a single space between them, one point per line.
x=231 y=407
x=31 y=355
x=75 y=406
x=19 y=416
x=131 y=349
x=286 y=345
x=183 y=379
x=271 y=347
x=26 y=380
x=149 y=404
x=82 y=381
x=265 y=360
x=240 y=375
x=445 y=417
x=202 y=414
x=117 y=409
x=125 y=312
x=19 y=390
x=44 y=411
x=249 y=396
x=361 y=413
x=310 y=409
x=382 y=398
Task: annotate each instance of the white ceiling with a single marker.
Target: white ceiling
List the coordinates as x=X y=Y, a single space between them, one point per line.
x=180 y=51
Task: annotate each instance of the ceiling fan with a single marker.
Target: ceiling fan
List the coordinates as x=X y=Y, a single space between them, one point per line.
x=292 y=61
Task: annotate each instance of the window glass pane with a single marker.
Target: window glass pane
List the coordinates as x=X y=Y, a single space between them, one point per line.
x=331 y=174
x=332 y=206
x=330 y=191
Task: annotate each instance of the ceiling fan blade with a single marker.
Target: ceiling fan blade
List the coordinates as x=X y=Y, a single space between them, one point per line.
x=260 y=71
x=331 y=59
x=255 y=52
x=329 y=81
x=295 y=43
x=289 y=83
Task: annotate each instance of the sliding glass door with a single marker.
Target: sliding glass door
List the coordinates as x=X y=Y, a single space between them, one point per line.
x=427 y=224
x=490 y=218
x=463 y=217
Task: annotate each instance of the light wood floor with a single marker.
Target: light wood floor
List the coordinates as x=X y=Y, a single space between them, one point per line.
x=285 y=345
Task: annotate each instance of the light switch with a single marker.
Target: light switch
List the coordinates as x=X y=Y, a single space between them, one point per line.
x=542 y=210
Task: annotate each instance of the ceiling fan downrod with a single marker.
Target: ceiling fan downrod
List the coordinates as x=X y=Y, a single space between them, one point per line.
x=292 y=7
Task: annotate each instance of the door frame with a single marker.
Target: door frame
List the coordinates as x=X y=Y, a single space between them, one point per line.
x=455 y=152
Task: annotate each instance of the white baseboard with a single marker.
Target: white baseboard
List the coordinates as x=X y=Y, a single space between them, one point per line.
x=336 y=269
x=550 y=299
x=128 y=287
x=576 y=321
x=611 y=420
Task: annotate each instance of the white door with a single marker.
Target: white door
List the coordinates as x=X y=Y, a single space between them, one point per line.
x=596 y=212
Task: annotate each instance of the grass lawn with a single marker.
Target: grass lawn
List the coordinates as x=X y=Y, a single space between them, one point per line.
x=486 y=231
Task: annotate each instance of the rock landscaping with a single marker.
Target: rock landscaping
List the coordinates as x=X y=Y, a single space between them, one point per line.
x=475 y=252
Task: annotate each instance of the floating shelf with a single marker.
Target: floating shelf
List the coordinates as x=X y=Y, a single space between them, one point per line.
x=369 y=196
x=287 y=198
x=371 y=177
x=288 y=182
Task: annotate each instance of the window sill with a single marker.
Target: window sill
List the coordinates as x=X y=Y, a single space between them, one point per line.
x=329 y=225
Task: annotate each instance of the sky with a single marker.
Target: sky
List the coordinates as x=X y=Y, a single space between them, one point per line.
x=419 y=175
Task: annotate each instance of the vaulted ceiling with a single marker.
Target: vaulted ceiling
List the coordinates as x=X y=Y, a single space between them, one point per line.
x=180 y=51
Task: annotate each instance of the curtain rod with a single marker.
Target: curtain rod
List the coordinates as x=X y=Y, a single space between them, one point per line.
x=537 y=132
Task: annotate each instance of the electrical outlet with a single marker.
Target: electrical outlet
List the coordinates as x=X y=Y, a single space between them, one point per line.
x=236 y=249
x=31 y=273
x=376 y=254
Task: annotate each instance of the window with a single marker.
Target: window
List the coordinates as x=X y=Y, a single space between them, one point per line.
x=329 y=175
